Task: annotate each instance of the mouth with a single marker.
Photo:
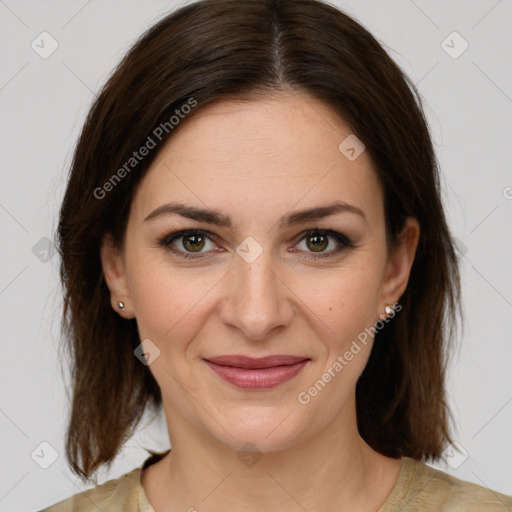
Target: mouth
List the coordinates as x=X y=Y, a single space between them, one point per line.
x=257 y=373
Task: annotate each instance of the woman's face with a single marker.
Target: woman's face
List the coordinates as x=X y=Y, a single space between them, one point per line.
x=261 y=286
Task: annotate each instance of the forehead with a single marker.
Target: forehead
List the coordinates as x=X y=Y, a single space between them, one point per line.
x=264 y=155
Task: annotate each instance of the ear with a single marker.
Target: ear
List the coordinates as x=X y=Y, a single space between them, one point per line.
x=398 y=266
x=112 y=262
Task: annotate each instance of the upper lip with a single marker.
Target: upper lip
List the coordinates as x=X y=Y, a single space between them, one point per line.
x=240 y=361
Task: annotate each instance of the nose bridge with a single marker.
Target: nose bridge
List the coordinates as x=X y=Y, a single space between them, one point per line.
x=256 y=301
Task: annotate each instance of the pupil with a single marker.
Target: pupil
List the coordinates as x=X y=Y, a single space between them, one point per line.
x=194 y=243
x=318 y=240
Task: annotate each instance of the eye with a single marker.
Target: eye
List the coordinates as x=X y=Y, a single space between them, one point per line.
x=316 y=241
x=190 y=243
x=191 y=240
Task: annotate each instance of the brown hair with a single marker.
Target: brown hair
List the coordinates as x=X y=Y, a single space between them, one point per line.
x=217 y=49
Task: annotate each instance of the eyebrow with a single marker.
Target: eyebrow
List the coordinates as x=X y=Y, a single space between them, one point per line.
x=218 y=219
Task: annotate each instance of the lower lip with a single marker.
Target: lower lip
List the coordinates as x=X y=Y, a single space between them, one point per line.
x=260 y=378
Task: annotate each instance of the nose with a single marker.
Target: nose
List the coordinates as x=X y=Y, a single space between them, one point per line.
x=257 y=299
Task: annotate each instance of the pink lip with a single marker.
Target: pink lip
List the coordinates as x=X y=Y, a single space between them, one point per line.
x=261 y=373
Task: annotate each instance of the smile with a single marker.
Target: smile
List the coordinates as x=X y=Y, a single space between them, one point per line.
x=256 y=374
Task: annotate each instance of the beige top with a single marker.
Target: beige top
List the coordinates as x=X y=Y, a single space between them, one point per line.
x=419 y=488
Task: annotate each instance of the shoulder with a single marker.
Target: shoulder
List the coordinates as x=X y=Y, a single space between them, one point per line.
x=114 y=495
x=433 y=489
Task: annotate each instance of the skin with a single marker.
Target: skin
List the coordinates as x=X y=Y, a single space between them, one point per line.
x=256 y=161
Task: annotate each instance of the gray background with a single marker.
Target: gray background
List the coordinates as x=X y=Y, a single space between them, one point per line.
x=43 y=104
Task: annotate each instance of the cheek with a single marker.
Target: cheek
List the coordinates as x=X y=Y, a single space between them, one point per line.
x=347 y=305
x=169 y=302
x=346 y=300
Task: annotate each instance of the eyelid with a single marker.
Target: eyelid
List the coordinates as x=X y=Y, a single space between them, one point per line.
x=167 y=242
x=345 y=243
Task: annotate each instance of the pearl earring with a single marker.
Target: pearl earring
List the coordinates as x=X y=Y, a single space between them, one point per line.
x=120 y=305
x=388 y=309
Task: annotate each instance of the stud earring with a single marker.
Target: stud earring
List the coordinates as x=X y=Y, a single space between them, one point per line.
x=120 y=305
x=389 y=310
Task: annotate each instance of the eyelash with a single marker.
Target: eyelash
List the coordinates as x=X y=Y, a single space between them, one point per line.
x=167 y=241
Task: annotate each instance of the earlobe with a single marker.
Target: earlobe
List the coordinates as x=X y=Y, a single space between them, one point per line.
x=115 y=276
x=400 y=262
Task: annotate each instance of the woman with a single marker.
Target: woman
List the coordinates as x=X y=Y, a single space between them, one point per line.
x=252 y=238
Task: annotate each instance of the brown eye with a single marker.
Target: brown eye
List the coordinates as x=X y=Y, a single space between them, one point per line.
x=188 y=243
x=318 y=243
x=193 y=242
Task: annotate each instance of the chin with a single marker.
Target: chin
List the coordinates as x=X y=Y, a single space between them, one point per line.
x=268 y=429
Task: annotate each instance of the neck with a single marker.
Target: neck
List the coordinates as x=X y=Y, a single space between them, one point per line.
x=333 y=470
